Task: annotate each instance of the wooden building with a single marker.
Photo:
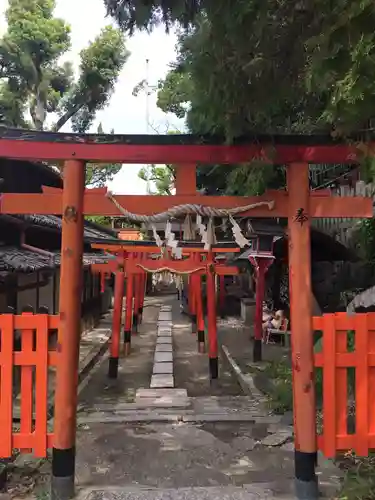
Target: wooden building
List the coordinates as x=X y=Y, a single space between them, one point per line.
x=30 y=249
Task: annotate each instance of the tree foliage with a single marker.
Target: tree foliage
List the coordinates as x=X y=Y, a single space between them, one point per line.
x=33 y=81
x=131 y=14
x=98 y=175
x=160 y=178
x=264 y=66
x=272 y=64
x=100 y=66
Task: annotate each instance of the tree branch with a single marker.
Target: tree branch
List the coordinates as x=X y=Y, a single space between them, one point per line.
x=66 y=117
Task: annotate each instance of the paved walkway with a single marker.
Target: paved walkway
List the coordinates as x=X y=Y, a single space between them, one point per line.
x=195 y=441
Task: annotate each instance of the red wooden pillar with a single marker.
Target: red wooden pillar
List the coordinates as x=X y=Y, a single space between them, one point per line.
x=186 y=184
x=194 y=283
x=102 y=282
x=261 y=265
x=192 y=307
x=222 y=295
x=128 y=310
x=63 y=453
x=116 y=324
x=143 y=280
x=200 y=314
x=304 y=409
x=199 y=308
x=211 y=323
x=137 y=291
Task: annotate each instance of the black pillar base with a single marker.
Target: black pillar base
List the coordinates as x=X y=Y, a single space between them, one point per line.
x=140 y=314
x=201 y=337
x=3 y=475
x=193 y=323
x=214 y=368
x=306 y=482
x=135 y=323
x=63 y=469
x=112 y=367
x=127 y=336
x=257 y=350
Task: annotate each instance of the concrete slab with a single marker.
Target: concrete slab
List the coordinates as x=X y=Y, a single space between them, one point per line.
x=134 y=417
x=278 y=438
x=163 y=368
x=164 y=348
x=141 y=404
x=165 y=323
x=165 y=327
x=164 y=332
x=253 y=492
x=161 y=393
x=161 y=381
x=164 y=340
x=165 y=317
x=163 y=357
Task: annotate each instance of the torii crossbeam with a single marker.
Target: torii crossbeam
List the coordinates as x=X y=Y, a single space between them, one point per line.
x=96 y=202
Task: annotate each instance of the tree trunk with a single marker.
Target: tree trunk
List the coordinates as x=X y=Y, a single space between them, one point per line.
x=66 y=117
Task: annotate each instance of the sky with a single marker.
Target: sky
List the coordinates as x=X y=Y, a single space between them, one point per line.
x=125 y=114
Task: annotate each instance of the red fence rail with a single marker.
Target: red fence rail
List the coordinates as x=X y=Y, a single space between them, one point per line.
x=347 y=358
x=33 y=357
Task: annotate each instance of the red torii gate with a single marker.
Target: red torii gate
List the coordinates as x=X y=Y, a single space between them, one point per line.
x=296 y=203
x=133 y=260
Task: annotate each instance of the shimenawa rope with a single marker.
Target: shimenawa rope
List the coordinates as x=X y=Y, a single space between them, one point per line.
x=188 y=209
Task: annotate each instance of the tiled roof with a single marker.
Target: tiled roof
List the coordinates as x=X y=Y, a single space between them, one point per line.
x=54 y=222
x=23 y=260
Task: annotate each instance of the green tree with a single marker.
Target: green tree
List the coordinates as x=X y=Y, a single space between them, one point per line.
x=98 y=175
x=307 y=65
x=252 y=66
x=342 y=62
x=33 y=81
x=161 y=177
x=131 y=14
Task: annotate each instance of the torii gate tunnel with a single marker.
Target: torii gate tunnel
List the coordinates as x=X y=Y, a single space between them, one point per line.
x=296 y=203
x=134 y=260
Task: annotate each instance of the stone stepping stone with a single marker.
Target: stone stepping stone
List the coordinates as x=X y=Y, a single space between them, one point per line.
x=160 y=393
x=163 y=348
x=164 y=332
x=277 y=438
x=163 y=368
x=165 y=316
x=165 y=327
x=163 y=357
x=161 y=381
x=166 y=308
x=164 y=340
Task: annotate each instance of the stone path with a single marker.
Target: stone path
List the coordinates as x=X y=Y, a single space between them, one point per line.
x=162 y=372
x=135 y=371
x=191 y=370
x=191 y=441
x=204 y=446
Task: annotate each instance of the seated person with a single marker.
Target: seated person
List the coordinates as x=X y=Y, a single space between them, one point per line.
x=274 y=322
